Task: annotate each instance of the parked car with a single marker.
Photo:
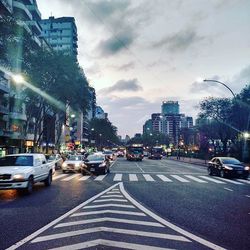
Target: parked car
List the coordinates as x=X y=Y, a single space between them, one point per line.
x=227 y=167
x=96 y=163
x=57 y=159
x=73 y=163
x=21 y=171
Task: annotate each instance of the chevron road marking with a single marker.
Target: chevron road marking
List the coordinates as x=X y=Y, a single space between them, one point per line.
x=108 y=205
x=111 y=230
x=112 y=196
x=105 y=200
x=105 y=219
x=108 y=212
x=109 y=243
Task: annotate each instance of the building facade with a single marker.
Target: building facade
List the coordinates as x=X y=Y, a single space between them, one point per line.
x=61 y=34
x=157 y=122
x=170 y=107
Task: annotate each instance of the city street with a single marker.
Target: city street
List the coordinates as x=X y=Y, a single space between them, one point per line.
x=153 y=204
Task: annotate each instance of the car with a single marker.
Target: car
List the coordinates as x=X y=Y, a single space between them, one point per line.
x=57 y=159
x=227 y=167
x=22 y=171
x=73 y=163
x=109 y=154
x=120 y=154
x=96 y=163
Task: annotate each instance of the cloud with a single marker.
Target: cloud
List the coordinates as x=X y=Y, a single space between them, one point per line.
x=126 y=66
x=123 y=85
x=116 y=43
x=179 y=41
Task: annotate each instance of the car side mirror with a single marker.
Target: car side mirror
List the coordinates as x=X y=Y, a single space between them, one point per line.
x=43 y=162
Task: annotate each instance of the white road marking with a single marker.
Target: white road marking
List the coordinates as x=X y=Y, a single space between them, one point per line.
x=59 y=176
x=164 y=178
x=71 y=177
x=54 y=222
x=109 y=243
x=100 y=177
x=195 y=179
x=111 y=230
x=112 y=196
x=106 y=200
x=108 y=205
x=248 y=196
x=115 y=189
x=212 y=179
x=177 y=177
x=117 y=177
x=108 y=219
x=84 y=178
x=109 y=212
x=113 y=192
x=133 y=177
x=228 y=189
x=169 y=224
x=230 y=181
x=139 y=167
x=148 y=177
x=244 y=181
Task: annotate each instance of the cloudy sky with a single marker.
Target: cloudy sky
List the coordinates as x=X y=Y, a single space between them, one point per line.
x=138 y=53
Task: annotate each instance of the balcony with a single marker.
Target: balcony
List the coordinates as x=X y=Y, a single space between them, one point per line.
x=4 y=87
x=17 y=116
x=35 y=27
x=35 y=12
x=4 y=109
x=21 y=11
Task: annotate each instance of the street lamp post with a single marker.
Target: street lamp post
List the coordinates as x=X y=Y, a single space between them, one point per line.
x=222 y=83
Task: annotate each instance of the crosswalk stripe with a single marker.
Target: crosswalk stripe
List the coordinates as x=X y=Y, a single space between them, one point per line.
x=231 y=181
x=84 y=178
x=108 y=219
x=164 y=178
x=195 y=179
x=108 y=211
x=100 y=177
x=59 y=176
x=177 y=177
x=148 y=177
x=117 y=177
x=133 y=177
x=105 y=200
x=71 y=177
x=244 y=181
x=212 y=179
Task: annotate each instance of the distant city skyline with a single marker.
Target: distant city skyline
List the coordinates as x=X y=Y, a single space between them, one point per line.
x=140 y=53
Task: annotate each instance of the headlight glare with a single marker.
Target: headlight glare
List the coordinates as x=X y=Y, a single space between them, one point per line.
x=247 y=168
x=228 y=168
x=18 y=177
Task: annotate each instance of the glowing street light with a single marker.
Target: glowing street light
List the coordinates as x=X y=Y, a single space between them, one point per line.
x=18 y=79
x=246 y=135
x=73 y=116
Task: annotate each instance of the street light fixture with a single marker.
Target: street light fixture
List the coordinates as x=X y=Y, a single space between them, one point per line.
x=18 y=78
x=73 y=116
x=246 y=135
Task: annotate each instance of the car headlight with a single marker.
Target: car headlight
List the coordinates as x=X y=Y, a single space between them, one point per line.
x=18 y=177
x=77 y=164
x=247 y=168
x=228 y=168
x=102 y=165
x=64 y=164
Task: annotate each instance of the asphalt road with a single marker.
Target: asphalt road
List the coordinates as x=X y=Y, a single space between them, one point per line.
x=153 y=204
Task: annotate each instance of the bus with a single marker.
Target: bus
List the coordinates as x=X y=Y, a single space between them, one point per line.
x=155 y=153
x=134 y=152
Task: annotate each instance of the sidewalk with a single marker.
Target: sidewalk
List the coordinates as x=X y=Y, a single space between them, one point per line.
x=189 y=160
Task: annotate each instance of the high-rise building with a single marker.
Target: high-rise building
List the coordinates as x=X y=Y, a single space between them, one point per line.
x=157 y=122
x=147 y=127
x=61 y=34
x=170 y=107
x=99 y=113
x=186 y=121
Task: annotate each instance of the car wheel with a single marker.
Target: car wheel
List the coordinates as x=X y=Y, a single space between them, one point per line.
x=29 y=188
x=210 y=171
x=83 y=172
x=222 y=173
x=64 y=171
x=48 y=180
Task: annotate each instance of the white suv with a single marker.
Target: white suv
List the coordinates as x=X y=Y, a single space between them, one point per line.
x=21 y=171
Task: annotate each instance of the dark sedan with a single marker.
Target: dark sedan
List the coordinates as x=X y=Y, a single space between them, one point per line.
x=227 y=167
x=96 y=163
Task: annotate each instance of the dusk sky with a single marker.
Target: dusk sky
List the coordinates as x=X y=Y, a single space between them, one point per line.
x=139 y=53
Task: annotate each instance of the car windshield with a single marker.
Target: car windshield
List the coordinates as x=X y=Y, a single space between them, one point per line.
x=108 y=152
x=52 y=157
x=75 y=158
x=95 y=158
x=16 y=161
x=230 y=161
